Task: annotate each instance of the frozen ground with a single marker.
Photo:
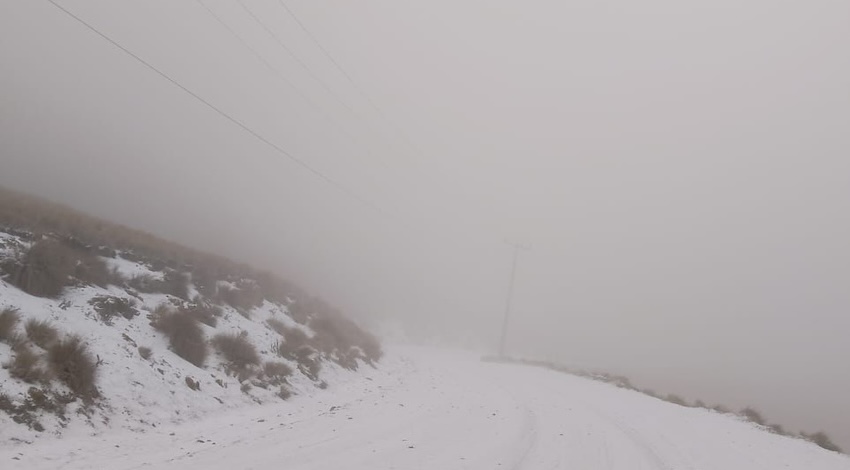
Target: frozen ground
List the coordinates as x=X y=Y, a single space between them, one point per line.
x=425 y=409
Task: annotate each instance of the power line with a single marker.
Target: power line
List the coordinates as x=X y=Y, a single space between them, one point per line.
x=295 y=57
x=407 y=140
x=286 y=80
x=277 y=148
x=342 y=188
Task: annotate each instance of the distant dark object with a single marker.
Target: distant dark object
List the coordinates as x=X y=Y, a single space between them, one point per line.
x=822 y=439
x=145 y=352
x=778 y=429
x=753 y=415
x=193 y=384
x=676 y=400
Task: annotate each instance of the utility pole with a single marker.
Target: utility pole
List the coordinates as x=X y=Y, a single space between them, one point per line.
x=517 y=247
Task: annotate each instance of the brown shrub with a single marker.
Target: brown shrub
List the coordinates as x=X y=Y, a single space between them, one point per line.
x=73 y=365
x=237 y=349
x=284 y=393
x=41 y=333
x=204 y=312
x=90 y=269
x=9 y=319
x=277 y=326
x=310 y=367
x=205 y=279
x=777 y=429
x=144 y=283
x=185 y=336
x=650 y=392
x=823 y=440
x=244 y=297
x=753 y=415
x=176 y=284
x=25 y=366
x=721 y=409
x=335 y=332
x=46 y=268
x=108 y=307
x=276 y=372
x=676 y=400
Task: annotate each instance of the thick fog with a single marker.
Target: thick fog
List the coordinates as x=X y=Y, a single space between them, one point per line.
x=679 y=170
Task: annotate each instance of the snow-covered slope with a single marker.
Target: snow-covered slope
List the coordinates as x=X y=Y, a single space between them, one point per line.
x=425 y=409
x=139 y=393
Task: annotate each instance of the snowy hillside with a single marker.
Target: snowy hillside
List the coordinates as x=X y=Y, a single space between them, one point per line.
x=426 y=409
x=126 y=322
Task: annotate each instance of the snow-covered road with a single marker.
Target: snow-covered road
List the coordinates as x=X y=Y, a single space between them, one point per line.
x=433 y=410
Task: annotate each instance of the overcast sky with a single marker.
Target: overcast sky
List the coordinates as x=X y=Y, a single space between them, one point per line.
x=680 y=170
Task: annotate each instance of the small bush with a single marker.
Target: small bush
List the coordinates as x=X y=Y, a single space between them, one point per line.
x=753 y=415
x=176 y=284
x=236 y=348
x=823 y=440
x=650 y=392
x=25 y=366
x=9 y=319
x=92 y=270
x=17 y=341
x=108 y=307
x=145 y=352
x=41 y=333
x=721 y=409
x=293 y=339
x=144 y=283
x=244 y=297
x=276 y=372
x=310 y=367
x=204 y=312
x=46 y=269
x=676 y=400
x=335 y=332
x=349 y=359
x=277 y=326
x=778 y=429
x=185 y=336
x=73 y=365
x=294 y=350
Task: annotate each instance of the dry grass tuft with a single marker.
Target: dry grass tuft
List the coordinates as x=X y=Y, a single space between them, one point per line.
x=9 y=319
x=74 y=366
x=41 y=333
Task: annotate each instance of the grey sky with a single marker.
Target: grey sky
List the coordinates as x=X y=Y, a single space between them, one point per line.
x=681 y=169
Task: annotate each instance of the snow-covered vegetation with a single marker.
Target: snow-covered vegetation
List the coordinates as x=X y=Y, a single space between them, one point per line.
x=102 y=326
x=748 y=414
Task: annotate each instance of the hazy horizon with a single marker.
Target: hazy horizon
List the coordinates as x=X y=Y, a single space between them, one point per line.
x=681 y=172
